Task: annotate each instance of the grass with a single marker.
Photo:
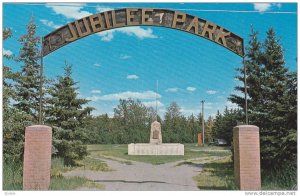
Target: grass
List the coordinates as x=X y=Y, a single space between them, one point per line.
x=217 y=175
x=72 y=183
x=280 y=179
x=89 y=163
x=120 y=151
x=58 y=167
x=58 y=182
x=12 y=176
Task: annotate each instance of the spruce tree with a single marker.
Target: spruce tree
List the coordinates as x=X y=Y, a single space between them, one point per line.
x=13 y=119
x=28 y=80
x=8 y=91
x=272 y=99
x=274 y=89
x=66 y=113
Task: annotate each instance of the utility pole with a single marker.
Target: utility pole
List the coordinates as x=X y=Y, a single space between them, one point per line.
x=245 y=86
x=202 y=121
x=156 y=99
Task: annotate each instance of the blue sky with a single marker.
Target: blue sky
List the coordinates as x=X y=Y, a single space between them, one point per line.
x=126 y=62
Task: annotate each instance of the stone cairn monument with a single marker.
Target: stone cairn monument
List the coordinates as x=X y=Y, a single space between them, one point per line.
x=156 y=146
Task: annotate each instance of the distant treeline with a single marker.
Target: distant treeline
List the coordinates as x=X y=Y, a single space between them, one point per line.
x=132 y=120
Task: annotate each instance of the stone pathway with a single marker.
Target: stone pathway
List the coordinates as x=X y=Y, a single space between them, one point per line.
x=143 y=176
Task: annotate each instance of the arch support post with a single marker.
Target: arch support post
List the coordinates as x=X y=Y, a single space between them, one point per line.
x=37 y=157
x=247 y=157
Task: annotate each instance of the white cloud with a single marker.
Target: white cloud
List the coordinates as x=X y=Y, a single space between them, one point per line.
x=70 y=11
x=231 y=105
x=124 y=56
x=97 y=65
x=211 y=92
x=106 y=36
x=262 y=7
x=103 y=8
x=7 y=52
x=139 y=32
x=153 y=104
x=187 y=111
x=173 y=90
x=96 y=91
x=146 y=95
x=50 y=24
x=191 y=89
x=74 y=11
x=132 y=77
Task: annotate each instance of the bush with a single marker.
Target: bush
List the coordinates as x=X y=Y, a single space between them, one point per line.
x=67 y=145
x=283 y=177
x=12 y=175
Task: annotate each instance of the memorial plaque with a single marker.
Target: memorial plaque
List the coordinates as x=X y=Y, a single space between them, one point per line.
x=156 y=134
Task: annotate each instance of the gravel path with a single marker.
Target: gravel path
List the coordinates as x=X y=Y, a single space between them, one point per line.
x=143 y=176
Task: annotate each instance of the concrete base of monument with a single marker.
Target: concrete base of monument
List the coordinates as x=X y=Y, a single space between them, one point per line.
x=155 y=149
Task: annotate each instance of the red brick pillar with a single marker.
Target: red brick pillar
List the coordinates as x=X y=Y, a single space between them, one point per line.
x=247 y=157
x=200 y=139
x=37 y=157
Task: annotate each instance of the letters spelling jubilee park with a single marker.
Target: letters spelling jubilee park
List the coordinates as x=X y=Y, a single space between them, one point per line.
x=141 y=17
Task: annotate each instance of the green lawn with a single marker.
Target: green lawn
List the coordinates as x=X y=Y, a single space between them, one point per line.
x=217 y=175
x=12 y=175
x=191 y=151
x=72 y=183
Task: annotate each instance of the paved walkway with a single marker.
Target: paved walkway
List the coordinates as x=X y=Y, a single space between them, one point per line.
x=144 y=176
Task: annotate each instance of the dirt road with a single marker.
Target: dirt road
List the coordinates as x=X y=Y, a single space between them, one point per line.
x=143 y=176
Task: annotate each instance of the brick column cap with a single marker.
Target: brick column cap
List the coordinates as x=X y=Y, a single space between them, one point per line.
x=247 y=127
x=39 y=128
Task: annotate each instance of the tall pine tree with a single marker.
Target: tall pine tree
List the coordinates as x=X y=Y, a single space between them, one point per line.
x=272 y=93
x=66 y=113
x=28 y=80
x=13 y=119
x=8 y=91
x=275 y=87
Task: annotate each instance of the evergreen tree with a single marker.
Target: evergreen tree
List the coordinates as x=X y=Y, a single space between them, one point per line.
x=66 y=114
x=209 y=133
x=134 y=120
x=13 y=119
x=272 y=93
x=175 y=125
x=224 y=123
x=8 y=91
x=28 y=80
x=289 y=142
x=192 y=129
x=273 y=128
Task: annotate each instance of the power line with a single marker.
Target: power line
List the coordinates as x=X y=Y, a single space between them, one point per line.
x=179 y=9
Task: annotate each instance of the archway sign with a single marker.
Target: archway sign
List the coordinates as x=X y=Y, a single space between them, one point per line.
x=142 y=17
x=246 y=138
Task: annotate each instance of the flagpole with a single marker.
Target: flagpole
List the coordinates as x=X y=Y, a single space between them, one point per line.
x=41 y=86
